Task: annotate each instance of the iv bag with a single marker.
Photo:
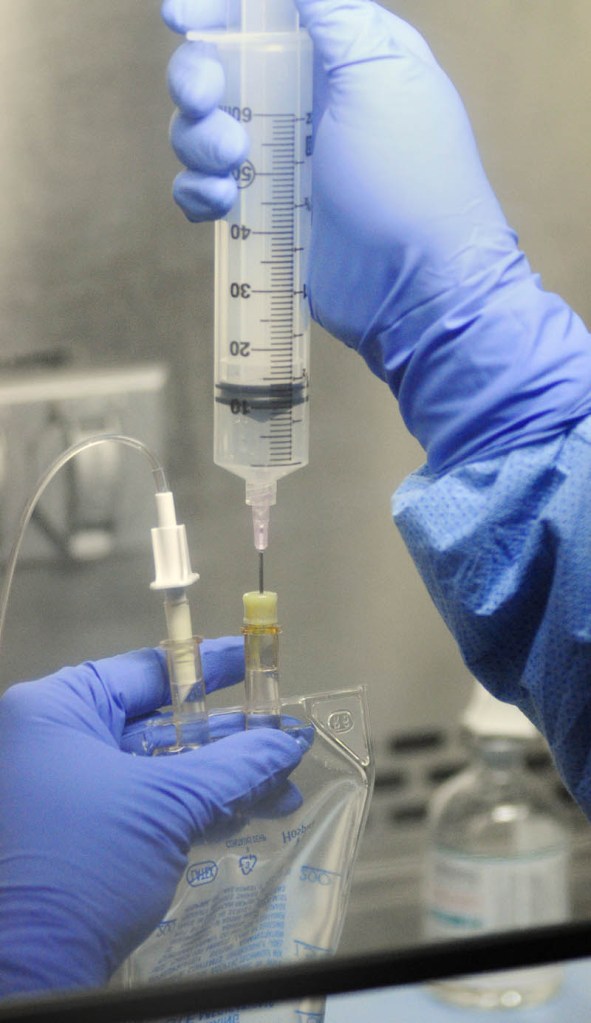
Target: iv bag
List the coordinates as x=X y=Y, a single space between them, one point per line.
x=273 y=889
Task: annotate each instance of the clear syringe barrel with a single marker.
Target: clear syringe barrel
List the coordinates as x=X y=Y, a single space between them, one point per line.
x=261 y=418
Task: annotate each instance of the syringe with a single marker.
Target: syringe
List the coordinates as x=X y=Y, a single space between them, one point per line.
x=261 y=320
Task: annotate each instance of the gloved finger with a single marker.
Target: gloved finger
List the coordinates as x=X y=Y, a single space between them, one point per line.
x=222 y=661
x=204 y=197
x=195 y=79
x=184 y=15
x=287 y=799
x=282 y=802
x=303 y=733
x=348 y=31
x=114 y=688
x=228 y=722
x=217 y=144
x=149 y=736
x=210 y=785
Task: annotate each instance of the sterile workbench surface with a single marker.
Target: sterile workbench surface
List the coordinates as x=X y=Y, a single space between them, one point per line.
x=416 y=1005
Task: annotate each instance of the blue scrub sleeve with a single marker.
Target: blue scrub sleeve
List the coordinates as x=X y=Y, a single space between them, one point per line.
x=504 y=548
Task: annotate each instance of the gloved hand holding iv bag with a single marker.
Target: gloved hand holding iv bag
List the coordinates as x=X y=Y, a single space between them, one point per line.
x=412 y=262
x=95 y=839
x=414 y=265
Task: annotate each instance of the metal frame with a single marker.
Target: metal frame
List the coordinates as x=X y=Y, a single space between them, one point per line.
x=313 y=978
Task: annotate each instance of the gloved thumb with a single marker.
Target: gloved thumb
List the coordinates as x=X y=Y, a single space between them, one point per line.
x=348 y=31
x=192 y=791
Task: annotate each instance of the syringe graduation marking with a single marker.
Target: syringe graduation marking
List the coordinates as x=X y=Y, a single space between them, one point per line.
x=282 y=385
x=282 y=305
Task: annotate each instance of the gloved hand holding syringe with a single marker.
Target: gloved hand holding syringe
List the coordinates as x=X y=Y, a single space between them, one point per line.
x=261 y=330
x=261 y=315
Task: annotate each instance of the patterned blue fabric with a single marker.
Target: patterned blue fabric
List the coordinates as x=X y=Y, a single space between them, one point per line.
x=504 y=547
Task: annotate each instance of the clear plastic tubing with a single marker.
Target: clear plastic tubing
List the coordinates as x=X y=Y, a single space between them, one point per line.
x=261 y=419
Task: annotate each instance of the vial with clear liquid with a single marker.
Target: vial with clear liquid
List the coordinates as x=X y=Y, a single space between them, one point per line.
x=261 y=660
x=498 y=857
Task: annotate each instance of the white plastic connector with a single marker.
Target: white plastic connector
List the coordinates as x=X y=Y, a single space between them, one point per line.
x=171 y=550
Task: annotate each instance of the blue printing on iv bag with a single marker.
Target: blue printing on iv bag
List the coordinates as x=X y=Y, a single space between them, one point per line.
x=269 y=889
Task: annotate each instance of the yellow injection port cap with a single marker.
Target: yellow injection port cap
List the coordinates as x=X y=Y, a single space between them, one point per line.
x=260 y=608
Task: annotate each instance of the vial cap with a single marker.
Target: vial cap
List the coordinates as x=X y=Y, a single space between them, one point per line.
x=485 y=715
x=260 y=608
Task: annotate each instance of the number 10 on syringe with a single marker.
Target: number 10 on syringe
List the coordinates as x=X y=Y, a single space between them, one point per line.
x=261 y=314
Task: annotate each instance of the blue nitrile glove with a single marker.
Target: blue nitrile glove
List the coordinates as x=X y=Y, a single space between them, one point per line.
x=151 y=734
x=223 y=665
x=412 y=262
x=94 y=840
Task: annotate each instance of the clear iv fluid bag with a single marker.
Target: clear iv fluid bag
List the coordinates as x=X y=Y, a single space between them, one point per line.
x=261 y=418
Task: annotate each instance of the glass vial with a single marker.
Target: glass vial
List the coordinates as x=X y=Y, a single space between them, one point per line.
x=497 y=858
